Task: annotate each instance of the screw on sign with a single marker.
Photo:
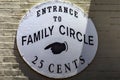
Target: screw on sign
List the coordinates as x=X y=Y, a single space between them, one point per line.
x=56 y=39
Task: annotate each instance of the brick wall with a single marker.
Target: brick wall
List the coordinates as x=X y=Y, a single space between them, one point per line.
x=104 y=13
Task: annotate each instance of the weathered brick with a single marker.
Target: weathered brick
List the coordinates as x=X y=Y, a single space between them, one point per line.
x=12 y=12
x=1 y=61
x=8 y=59
x=9 y=5
x=8 y=32
x=9 y=19
x=6 y=39
x=1 y=77
x=7 y=52
x=12 y=72
x=7 y=45
x=20 y=78
x=1 y=72
x=80 y=1
x=9 y=66
x=32 y=1
x=8 y=0
x=9 y=26
x=6 y=78
x=26 y=5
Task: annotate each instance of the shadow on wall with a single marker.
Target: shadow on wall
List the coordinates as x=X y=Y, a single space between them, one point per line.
x=100 y=13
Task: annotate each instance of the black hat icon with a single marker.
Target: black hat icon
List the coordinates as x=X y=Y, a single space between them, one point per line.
x=57 y=47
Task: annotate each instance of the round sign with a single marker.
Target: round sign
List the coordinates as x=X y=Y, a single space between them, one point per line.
x=56 y=39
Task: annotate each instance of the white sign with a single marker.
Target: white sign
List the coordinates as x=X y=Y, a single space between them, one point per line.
x=56 y=39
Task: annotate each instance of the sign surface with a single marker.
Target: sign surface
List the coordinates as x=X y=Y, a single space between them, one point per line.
x=56 y=39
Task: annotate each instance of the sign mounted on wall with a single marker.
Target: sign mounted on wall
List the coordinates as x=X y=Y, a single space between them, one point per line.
x=56 y=39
